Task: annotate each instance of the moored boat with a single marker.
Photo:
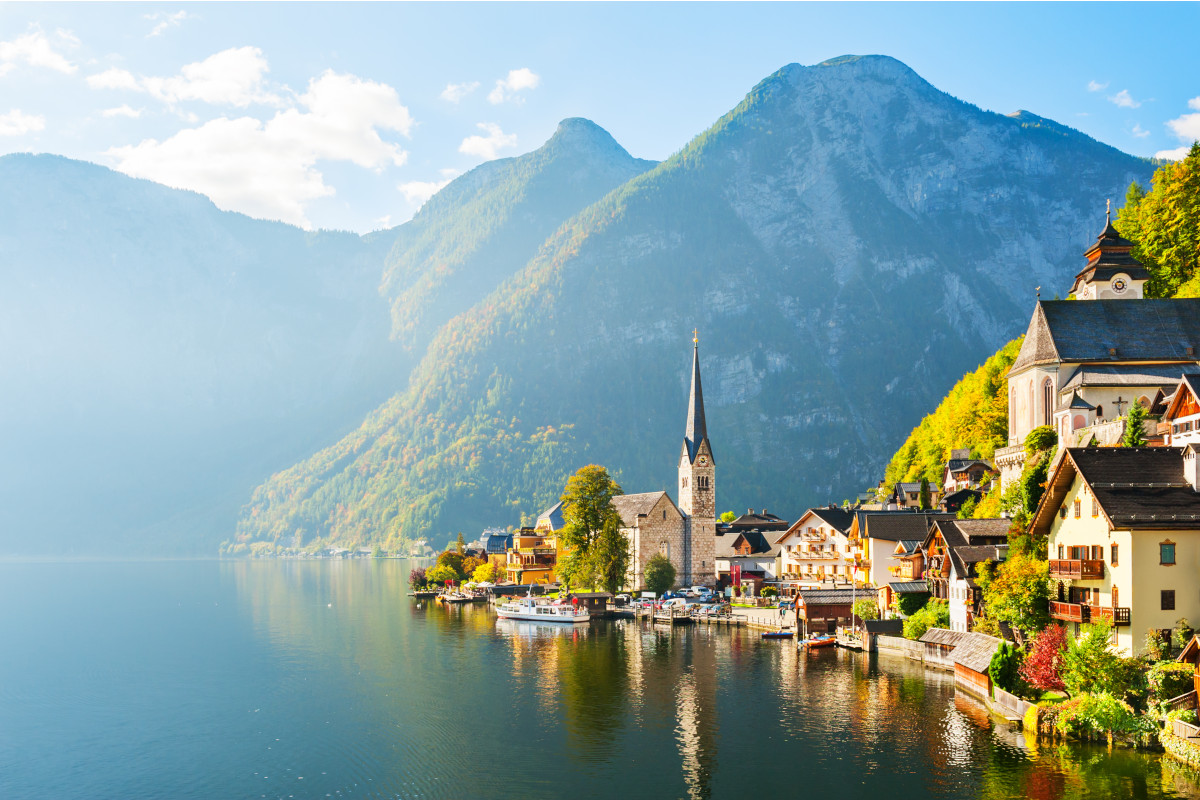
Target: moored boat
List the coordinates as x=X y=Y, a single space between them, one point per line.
x=528 y=608
x=777 y=634
x=823 y=640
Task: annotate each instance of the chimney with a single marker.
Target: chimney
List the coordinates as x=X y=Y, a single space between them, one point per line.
x=764 y=512
x=1189 y=466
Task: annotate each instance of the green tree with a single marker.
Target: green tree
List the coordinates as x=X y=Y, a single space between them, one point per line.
x=866 y=609
x=1090 y=664
x=967 y=509
x=1164 y=226
x=485 y=573
x=587 y=506
x=460 y=544
x=1017 y=591
x=659 y=575
x=441 y=573
x=926 y=498
x=1135 y=434
x=934 y=614
x=910 y=603
x=453 y=561
x=611 y=556
x=1005 y=667
x=729 y=516
x=1040 y=440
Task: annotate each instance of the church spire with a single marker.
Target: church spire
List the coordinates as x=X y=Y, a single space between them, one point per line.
x=696 y=431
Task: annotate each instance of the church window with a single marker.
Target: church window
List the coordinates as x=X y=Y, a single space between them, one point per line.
x=1047 y=402
x=1012 y=411
x=664 y=513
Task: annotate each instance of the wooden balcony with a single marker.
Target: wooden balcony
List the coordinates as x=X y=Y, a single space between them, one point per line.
x=1077 y=569
x=1115 y=616
x=1070 y=612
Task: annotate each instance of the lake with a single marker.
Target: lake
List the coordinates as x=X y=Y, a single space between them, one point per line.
x=312 y=679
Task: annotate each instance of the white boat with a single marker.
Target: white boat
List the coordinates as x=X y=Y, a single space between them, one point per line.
x=529 y=609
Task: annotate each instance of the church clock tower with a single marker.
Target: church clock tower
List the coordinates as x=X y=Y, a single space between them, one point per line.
x=697 y=487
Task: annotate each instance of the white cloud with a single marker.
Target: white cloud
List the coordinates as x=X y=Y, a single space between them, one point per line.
x=455 y=92
x=1178 y=154
x=17 y=123
x=1093 y=86
x=1139 y=131
x=35 y=50
x=1124 y=99
x=233 y=77
x=270 y=169
x=486 y=146
x=114 y=79
x=517 y=80
x=164 y=21
x=417 y=192
x=122 y=111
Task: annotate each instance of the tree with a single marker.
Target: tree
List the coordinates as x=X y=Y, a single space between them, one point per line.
x=469 y=565
x=866 y=609
x=1089 y=663
x=926 y=499
x=1017 y=591
x=934 y=614
x=1135 y=433
x=485 y=573
x=910 y=603
x=440 y=574
x=1164 y=226
x=587 y=505
x=453 y=561
x=611 y=556
x=729 y=516
x=659 y=575
x=416 y=578
x=967 y=509
x=1042 y=668
x=1005 y=667
x=1040 y=439
x=460 y=544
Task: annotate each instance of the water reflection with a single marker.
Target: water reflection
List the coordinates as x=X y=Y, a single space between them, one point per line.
x=616 y=708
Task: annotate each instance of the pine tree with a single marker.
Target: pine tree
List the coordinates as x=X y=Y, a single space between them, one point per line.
x=926 y=498
x=1135 y=434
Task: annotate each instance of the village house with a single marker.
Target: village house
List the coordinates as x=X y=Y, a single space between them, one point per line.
x=874 y=535
x=963 y=472
x=816 y=548
x=532 y=557
x=1181 y=420
x=951 y=502
x=953 y=549
x=888 y=595
x=1123 y=527
x=823 y=610
x=908 y=496
x=1082 y=364
x=747 y=559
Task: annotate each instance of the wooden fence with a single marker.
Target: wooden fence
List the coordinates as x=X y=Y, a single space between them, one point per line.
x=1184 y=701
x=1184 y=730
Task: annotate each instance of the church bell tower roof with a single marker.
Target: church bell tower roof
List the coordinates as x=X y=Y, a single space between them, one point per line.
x=696 y=432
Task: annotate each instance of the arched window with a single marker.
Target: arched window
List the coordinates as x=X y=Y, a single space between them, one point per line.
x=1012 y=411
x=1080 y=422
x=1047 y=402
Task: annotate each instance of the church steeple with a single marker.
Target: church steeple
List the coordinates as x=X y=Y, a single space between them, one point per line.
x=696 y=431
x=1112 y=273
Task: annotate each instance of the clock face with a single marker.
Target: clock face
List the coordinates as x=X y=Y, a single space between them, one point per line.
x=702 y=460
x=1120 y=284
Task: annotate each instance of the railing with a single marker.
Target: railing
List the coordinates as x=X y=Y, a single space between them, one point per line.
x=1069 y=612
x=1077 y=569
x=1184 y=730
x=1117 y=616
x=1011 y=450
x=812 y=537
x=1183 y=702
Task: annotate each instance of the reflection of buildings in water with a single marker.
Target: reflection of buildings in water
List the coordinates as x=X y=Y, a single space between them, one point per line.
x=696 y=712
x=535 y=657
x=631 y=645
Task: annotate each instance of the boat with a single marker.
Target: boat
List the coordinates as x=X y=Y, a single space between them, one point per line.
x=823 y=640
x=778 y=634
x=529 y=609
x=456 y=597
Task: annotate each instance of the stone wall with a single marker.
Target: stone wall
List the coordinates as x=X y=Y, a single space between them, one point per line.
x=654 y=534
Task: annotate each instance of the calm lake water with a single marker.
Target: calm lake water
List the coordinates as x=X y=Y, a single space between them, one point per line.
x=322 y=679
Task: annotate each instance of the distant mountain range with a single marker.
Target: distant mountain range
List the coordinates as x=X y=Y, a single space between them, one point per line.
x=848 y=241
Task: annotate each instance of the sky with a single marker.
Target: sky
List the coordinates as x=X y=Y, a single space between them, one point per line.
x=350 y=115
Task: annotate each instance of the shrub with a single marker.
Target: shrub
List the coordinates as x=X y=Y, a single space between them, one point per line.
x=659 y=574
x=1092 y=715
x=416 y=578
x=1042 y=668
x=1169 y=679
x=934 y=614
x=911 y=603
x=1043 y=437
x=769 y=591
x=1156 y=648
x=866 y=609
x=1005 y=666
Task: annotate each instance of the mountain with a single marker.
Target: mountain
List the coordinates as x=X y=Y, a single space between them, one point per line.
x=848 y=240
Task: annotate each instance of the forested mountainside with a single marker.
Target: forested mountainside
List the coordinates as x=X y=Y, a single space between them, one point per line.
x=848 y=240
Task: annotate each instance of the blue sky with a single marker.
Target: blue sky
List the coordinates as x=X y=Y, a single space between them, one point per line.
x=349 y=115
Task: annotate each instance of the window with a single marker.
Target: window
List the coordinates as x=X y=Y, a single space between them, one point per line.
x=1062 y=513
x=1095 y=507
x=1114 y=597
x=683 y=483
x=1113 y=556
x=1097 y=552
x=1047 y=402
x=1166 y=554
x=1168 y=599
x=1060 y=547
x=664 y=513
x=1078 y=504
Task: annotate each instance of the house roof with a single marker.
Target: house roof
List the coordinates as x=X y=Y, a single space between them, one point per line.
x=839 y=518
x=1136 y=487
x=1188 y=382
x=946 y=637
x=900 y=525
x=909 y=587
x=632 y=506
x=975 y=652
x=592 y=595
x=960 y=496
x=1077 y=403
x=884 y=625
x=761 y=520
x=910 y=546
x=830 y=597
x=1110 y=331
x=695 y=432
x=553 y=515
x=1149 y=375
x=760 y=544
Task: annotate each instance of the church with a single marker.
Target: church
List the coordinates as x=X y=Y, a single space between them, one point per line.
x=685 y=533
x=1085 y=361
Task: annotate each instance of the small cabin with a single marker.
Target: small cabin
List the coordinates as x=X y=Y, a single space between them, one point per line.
x=596 y=603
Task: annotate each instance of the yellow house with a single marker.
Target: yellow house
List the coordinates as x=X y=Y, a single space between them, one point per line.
x=1123 y=527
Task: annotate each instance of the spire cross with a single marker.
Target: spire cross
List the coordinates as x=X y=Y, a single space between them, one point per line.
x=695 y=336
x=1108 y=210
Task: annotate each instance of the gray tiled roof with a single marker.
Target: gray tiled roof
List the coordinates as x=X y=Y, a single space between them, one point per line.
x=975 y=652
x=1148 y=375
x=909 y=587
x=946 y=637
x=1139 y=487
x=831 y=596
x=838 y=518
x=897 y=526
x=1086 y=330
x=630 y=506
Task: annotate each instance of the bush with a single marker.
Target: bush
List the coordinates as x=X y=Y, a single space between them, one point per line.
x=1004 y=669
x=866 y=609
x=909 y=604
x=1169 y=679
x=934 y=614
x=659 y=574
x=416 y=578
x=1043 y=437
x=1156 y=648
x=769 y=591
x=1092 y=715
